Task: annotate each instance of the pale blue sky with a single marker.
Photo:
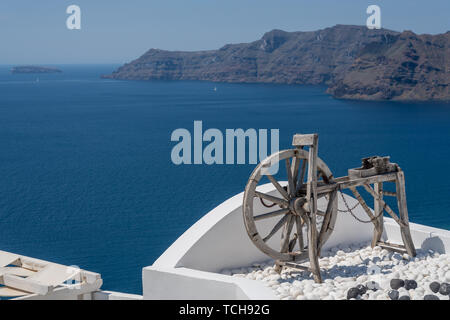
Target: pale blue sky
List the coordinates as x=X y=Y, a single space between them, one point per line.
x=34 y=31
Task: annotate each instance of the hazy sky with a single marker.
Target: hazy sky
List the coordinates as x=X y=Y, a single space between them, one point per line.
x=113 y=31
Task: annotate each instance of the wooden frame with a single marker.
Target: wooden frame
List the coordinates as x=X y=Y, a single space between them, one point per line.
x=299 y=203
x=30 y=278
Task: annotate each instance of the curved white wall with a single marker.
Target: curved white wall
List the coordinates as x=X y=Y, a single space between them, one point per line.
x=219 y=240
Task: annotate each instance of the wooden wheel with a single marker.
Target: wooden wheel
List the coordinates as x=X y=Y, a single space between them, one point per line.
x=267 y=215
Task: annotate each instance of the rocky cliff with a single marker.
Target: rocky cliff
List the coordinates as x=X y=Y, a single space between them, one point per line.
x=404 y=67
x=352 y=60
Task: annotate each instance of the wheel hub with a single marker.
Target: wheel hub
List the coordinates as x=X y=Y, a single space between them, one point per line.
x=298 y=206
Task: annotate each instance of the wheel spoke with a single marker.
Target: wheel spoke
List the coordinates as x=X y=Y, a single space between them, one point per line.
x=286 y=234
x=292 y=243
x=299 y=225
x=273 y=199
x=302 y=176
x=320 y=213
x=278 y=187
x=276 y=228
x=271 y=214
x=290 y=179
x=295 y=166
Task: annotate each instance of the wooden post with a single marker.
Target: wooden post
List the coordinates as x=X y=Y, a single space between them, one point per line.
x=311 y=195
x=403 y=212
x=378 y=210
x=326 y=221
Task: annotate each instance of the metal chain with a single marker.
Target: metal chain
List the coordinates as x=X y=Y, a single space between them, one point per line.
x=266 y=205
x=350 y=210
x=346 y=204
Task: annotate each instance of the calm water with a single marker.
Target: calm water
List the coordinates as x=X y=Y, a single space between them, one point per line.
x=86 y=176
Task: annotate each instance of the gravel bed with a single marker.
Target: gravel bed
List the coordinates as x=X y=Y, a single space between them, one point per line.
x=359 y=272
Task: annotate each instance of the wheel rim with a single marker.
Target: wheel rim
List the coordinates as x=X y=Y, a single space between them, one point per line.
x=288 y=214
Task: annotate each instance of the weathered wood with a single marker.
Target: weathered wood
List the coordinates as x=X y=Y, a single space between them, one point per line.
x=378 y=211
x=301 y=140
x=301 y=178
x=7 y=258
x=364 y=206
x=389 y=193
x=326 y=221
x=273 y=199
x=299 y=205
x=249 y=202
x=17 y=271
x=294 y=169
x=10 y=292
x=295 y=265
x=299 y=227
x=287 y=233
x=291 y=185
x=384 y=205
x=26 y=284
x=391 y=247
x=346 y=183
x=311 y=196
x=403 y=212
x=388 y=244
x=278 y=187
x=271 y=214
x=277 y=227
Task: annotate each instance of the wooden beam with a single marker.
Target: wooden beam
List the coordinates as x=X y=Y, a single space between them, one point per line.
x=346 y=183
x=403 y=211
x=25 y=284
x=364 y=205
x=378 y=211
x=311 y=196
x=301 y=140
x=385 y=205
x=326 y=220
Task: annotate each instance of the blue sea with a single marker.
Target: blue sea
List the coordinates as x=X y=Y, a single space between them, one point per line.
x=86 y=176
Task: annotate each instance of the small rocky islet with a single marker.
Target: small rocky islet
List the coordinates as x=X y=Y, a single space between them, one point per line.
x=34 y=69
x=359 y=272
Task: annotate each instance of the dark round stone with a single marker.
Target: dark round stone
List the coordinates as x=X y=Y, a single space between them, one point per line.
x=410 y=284
x=361 y=289
x=434 y=286
x=397 y=283
x=404 y=298
x=393 y=294
x=445 y=289
x=352 y=293
x=431 y=297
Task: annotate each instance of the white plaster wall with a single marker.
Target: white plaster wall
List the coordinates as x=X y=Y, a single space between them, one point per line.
x=182 y=283
x=189 y=268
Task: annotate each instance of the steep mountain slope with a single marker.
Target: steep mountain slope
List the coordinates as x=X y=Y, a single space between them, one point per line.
x=357 y=63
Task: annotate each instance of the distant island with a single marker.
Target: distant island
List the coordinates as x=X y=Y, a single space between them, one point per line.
x=34 y=69
x=353 y=61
